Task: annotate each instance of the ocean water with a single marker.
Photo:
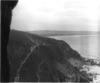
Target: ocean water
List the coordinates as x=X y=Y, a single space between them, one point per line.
x=87 y=45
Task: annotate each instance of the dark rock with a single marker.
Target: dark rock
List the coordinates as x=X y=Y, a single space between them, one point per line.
x=6 y=13
x=34 y=58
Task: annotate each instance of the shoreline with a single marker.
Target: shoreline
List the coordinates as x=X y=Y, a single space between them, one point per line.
x=72 y=35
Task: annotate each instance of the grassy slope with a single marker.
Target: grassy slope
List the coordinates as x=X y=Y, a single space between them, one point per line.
x=19 y=46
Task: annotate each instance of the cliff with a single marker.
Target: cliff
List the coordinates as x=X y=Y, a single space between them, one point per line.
x=6 y=14
x=33 y=58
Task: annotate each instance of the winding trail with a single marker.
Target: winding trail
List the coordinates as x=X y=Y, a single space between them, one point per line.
x=31 y=39
x=32 y=48
x=39 y=70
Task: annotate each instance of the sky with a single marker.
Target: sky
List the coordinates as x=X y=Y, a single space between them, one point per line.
x=65 y=15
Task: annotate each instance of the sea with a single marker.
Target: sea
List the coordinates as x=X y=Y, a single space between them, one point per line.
x=88 y=46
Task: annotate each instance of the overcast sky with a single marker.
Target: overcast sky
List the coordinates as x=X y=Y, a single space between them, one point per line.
x=74 y=15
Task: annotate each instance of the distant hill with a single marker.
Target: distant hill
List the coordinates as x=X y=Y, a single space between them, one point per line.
x=59 y=33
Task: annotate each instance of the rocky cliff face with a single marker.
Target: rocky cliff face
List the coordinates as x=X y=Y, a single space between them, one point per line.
x=6 y=13
x=34 y=58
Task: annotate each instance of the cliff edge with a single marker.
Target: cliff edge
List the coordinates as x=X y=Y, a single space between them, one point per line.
x=33 y=58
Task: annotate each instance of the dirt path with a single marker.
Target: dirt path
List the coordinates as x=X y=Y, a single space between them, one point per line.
x=32 y=48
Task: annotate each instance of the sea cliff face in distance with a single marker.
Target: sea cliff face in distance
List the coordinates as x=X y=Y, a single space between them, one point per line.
x=34 y=58
x=62 y=33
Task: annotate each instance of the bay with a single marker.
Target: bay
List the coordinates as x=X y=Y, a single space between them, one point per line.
x=87 y=45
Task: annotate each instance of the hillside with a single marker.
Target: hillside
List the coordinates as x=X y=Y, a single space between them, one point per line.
x=34 y=58
x=61 y=33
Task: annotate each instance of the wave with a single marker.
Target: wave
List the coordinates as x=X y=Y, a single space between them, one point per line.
x=92 y=69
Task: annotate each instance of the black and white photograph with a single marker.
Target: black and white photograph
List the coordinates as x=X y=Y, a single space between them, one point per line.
x=50 y=41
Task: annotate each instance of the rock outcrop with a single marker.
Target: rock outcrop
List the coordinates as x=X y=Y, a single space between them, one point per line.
x=34 y=58
x=6 y=13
